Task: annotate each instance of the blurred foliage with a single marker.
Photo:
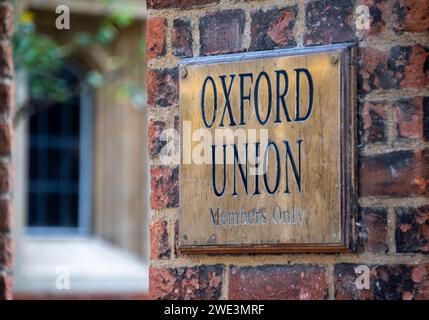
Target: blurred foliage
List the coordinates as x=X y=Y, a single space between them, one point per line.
x=42 y=57
x=39 y=56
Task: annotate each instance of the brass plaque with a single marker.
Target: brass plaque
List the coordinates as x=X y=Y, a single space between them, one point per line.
x=267 y=151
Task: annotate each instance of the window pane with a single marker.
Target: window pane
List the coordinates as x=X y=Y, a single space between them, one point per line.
x=54 y=148
x=33 y=163
x=54 y=165
x=53 y=209
x=54 y=124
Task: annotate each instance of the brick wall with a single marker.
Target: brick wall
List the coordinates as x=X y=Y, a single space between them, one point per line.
x=6 y=104
x=393 y=108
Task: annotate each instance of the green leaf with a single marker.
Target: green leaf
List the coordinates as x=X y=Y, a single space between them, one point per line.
x=123 y=17
x=106 y=34
x=83 y=39
x=95 y=79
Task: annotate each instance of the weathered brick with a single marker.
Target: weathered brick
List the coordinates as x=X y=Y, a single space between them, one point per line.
x=5 y=138
x=5 y=286
x=394 y=174
x=222 y=32
x=6 y=98
x=182 y=4
x=6 y=62
x=378 y=15
x=420 y=278
x=164 y=185
x=155 y=143
x=345 y=278
x=373 y=71
x=181 y=37
x=372 y=126
x=295 y=282
x=5 y=177
x=416 y=66
x=6 y=19
x=329 y=21
x=373 y=230
x=6 y=249
x=392 y=282
x=155 y=35
x=412 y=229
x=159 y=247
x=387 y=282
x=273 y=28
x=400 y=67
x=6 y=104
x=409 y=118
x=163 y=87
x=411 y=16
x=190 y=283
x=5 y=215
x=401 y=173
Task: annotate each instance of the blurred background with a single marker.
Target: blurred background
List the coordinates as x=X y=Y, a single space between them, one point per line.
x=81 y=178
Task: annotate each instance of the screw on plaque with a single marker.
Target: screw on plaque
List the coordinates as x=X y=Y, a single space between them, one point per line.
x=334 y=58
x=183 y=72
x=185 y=237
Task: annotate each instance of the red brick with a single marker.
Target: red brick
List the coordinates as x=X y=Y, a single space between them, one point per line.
x=182 y=4
x=190 y=283
x=393 y=282
x=378 y=15
x=6 y=249
x=222 y=32
x=280 y=282
x=163 y=87
x=159 y=247
x=412 y=229
x=387 y=282
x=373 y=122
x=5 y=286
x=400 y=67
x=409 y=118
x=273 y=28
x=344 y=281
x=373 y=230
x=6 y=19
x=416 y=69
x=155 y=35
x=6 y=98
x=164 y=183
x=6 y=62
x=401 y=173
x=6 y=102
x=181 y=38
x=420 y=278
x=329 y=21
x=5 y=177
x=373 y=72
x=5 y=138
x=411 y=16
x=5 y=215
x=155 y=144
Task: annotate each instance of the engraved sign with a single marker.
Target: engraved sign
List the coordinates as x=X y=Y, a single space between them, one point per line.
x=267 y=151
